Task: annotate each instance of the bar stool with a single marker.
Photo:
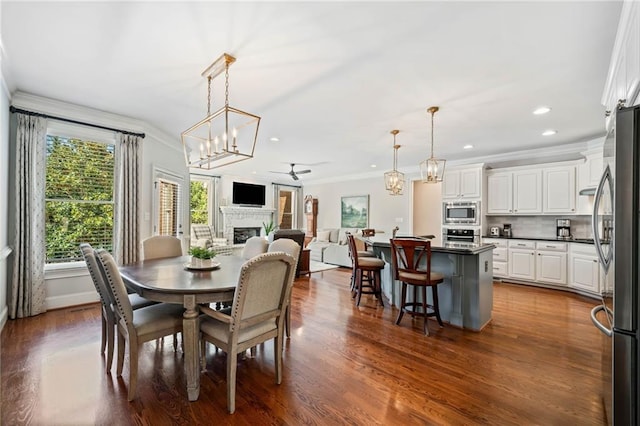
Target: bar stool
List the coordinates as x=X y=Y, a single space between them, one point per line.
x=361 y=253
x=407 y=256
x=369 y=283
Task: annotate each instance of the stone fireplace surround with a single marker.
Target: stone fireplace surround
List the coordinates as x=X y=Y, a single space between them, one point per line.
x=243 y=217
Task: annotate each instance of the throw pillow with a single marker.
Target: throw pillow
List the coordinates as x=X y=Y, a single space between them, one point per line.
x=333 y=236
x=323 y=236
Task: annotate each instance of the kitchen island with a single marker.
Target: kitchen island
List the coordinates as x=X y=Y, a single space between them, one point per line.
x=465 y=296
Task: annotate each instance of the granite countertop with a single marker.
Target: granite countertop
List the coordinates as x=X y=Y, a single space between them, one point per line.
x=573 y=240
x=447 y=247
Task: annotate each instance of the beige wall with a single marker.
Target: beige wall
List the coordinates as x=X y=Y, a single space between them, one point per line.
x=427 y=210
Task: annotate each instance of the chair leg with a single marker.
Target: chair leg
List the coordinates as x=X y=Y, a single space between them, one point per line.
x=121 y=345
x=403 y=301
x=110 y=330
x=232 y=365
x=287 y=320
x=277 y=347
x=133 y=369
x=424 y=310
x=103 y=322
x=436 y=307
x=175 y=342
x=378 y=286
x=359 y=279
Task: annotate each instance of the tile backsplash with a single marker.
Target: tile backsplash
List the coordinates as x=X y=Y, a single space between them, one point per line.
x=541 y=226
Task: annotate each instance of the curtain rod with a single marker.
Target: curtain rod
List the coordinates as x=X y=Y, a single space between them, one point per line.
x=39 y=114
x=284 y=184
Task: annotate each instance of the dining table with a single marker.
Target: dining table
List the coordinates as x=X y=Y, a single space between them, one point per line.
x=174 y=280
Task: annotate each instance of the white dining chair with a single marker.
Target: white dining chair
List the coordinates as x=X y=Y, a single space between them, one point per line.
x=160 y=246
x=108 y=316
x=292 y=248
x=139 y=326
x=254 y=246
x=257 y=315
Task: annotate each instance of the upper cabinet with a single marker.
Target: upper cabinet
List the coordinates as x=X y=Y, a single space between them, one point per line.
x=559 y=189
x=462 y=183
x=542 y=189
x=517 y=192
x=623 y=79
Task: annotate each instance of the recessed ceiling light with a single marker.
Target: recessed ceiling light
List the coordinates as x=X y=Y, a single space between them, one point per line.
x=549 y=132
x=373 y=166
x=541 y=110
x=254 y=172
x=274 y=139
x=468 y=146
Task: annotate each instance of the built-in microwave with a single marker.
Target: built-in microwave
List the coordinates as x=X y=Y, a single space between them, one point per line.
x=461 y=213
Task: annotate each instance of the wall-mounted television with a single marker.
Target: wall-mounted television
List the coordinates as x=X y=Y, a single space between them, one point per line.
x=248 y=194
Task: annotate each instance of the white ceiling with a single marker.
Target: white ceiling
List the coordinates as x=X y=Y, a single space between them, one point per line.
x=329 y=79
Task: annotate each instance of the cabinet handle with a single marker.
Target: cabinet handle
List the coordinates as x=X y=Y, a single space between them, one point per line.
x=521 y=245
x=550 y=246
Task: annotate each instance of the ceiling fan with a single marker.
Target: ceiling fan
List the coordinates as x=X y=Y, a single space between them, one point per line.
x=293 y=173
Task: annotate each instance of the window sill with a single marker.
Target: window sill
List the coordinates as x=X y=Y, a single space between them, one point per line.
x=65 y=270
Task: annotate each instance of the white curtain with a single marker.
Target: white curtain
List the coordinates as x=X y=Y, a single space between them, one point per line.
x=27 y=292
x=127 y=218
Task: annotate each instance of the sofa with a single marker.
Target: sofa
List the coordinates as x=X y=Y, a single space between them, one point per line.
x=330 y=246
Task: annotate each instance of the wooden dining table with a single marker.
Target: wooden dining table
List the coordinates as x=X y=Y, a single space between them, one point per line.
x=170 y=280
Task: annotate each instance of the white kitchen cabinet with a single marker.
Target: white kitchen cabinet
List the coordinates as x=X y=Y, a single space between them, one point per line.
x=527 y=191
x=522 y=260
x=462 y=183
x=559 y=190
x=500 y=193
x=500 y=256
x=589 y=174
x=623 y=79
x=551 y=262
x=584 y=269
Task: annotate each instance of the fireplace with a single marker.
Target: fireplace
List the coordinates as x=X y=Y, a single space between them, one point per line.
x=243 y=217
x=242 y=234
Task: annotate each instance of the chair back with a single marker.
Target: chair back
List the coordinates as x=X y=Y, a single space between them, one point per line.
x=96 y=276
x=160 y=246
x=262 y=292
x=368 y=232
x=112 y=277
x=254 y=246
x=353 y=249
x=407 y=254
x=289 y=246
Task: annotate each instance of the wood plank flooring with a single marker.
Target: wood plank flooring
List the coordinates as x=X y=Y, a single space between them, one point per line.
x=537 y=363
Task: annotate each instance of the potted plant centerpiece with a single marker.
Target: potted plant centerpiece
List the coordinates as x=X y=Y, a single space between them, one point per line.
x=268 y=228
x=201 y=257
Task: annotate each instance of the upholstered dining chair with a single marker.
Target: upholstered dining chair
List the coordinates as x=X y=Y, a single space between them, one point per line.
x=108 y=316
x=254 y=246
x=411 y=260
x=139 y=326
x=257 y=315
x=160 y=246
x=366 y=273
x=292 y=248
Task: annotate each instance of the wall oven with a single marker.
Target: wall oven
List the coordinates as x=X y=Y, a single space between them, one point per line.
x=456 y=235
x=461 y=213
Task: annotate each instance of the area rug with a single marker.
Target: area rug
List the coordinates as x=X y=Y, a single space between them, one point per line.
x=315 y=266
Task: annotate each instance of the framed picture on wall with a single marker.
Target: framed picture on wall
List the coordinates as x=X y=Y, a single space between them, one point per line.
x=354 y=211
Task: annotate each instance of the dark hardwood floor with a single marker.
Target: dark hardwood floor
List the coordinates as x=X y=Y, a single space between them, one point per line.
x=537 y=363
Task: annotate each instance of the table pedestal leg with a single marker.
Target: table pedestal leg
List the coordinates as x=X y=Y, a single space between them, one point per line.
x=190 y=330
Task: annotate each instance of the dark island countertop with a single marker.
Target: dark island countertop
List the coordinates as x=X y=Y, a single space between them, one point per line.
x=447 y=247
x=573 y=240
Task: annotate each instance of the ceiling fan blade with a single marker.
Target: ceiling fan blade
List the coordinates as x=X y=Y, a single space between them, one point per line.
x=294 y=176
x=281 y=173
x=303 y=171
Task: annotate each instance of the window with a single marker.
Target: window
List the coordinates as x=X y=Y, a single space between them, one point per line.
x=199 y=201
x=79 y=195
x=167 y=203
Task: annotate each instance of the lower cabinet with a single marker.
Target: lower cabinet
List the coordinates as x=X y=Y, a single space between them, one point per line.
x=522 y=264
x=500 y=257
x=551 y=262
x=584 y=269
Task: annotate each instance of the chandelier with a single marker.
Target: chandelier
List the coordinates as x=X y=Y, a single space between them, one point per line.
x=225 y=136
x=394 y=180
x=432 y=169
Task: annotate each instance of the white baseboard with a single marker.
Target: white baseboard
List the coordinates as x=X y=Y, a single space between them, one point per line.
x=71 y=300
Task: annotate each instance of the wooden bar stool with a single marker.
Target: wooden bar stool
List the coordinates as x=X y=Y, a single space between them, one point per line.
x=366 y=273
x=361 y=253
x=412 y=266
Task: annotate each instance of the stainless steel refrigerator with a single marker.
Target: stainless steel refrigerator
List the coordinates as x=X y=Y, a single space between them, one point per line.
x=615 y=216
